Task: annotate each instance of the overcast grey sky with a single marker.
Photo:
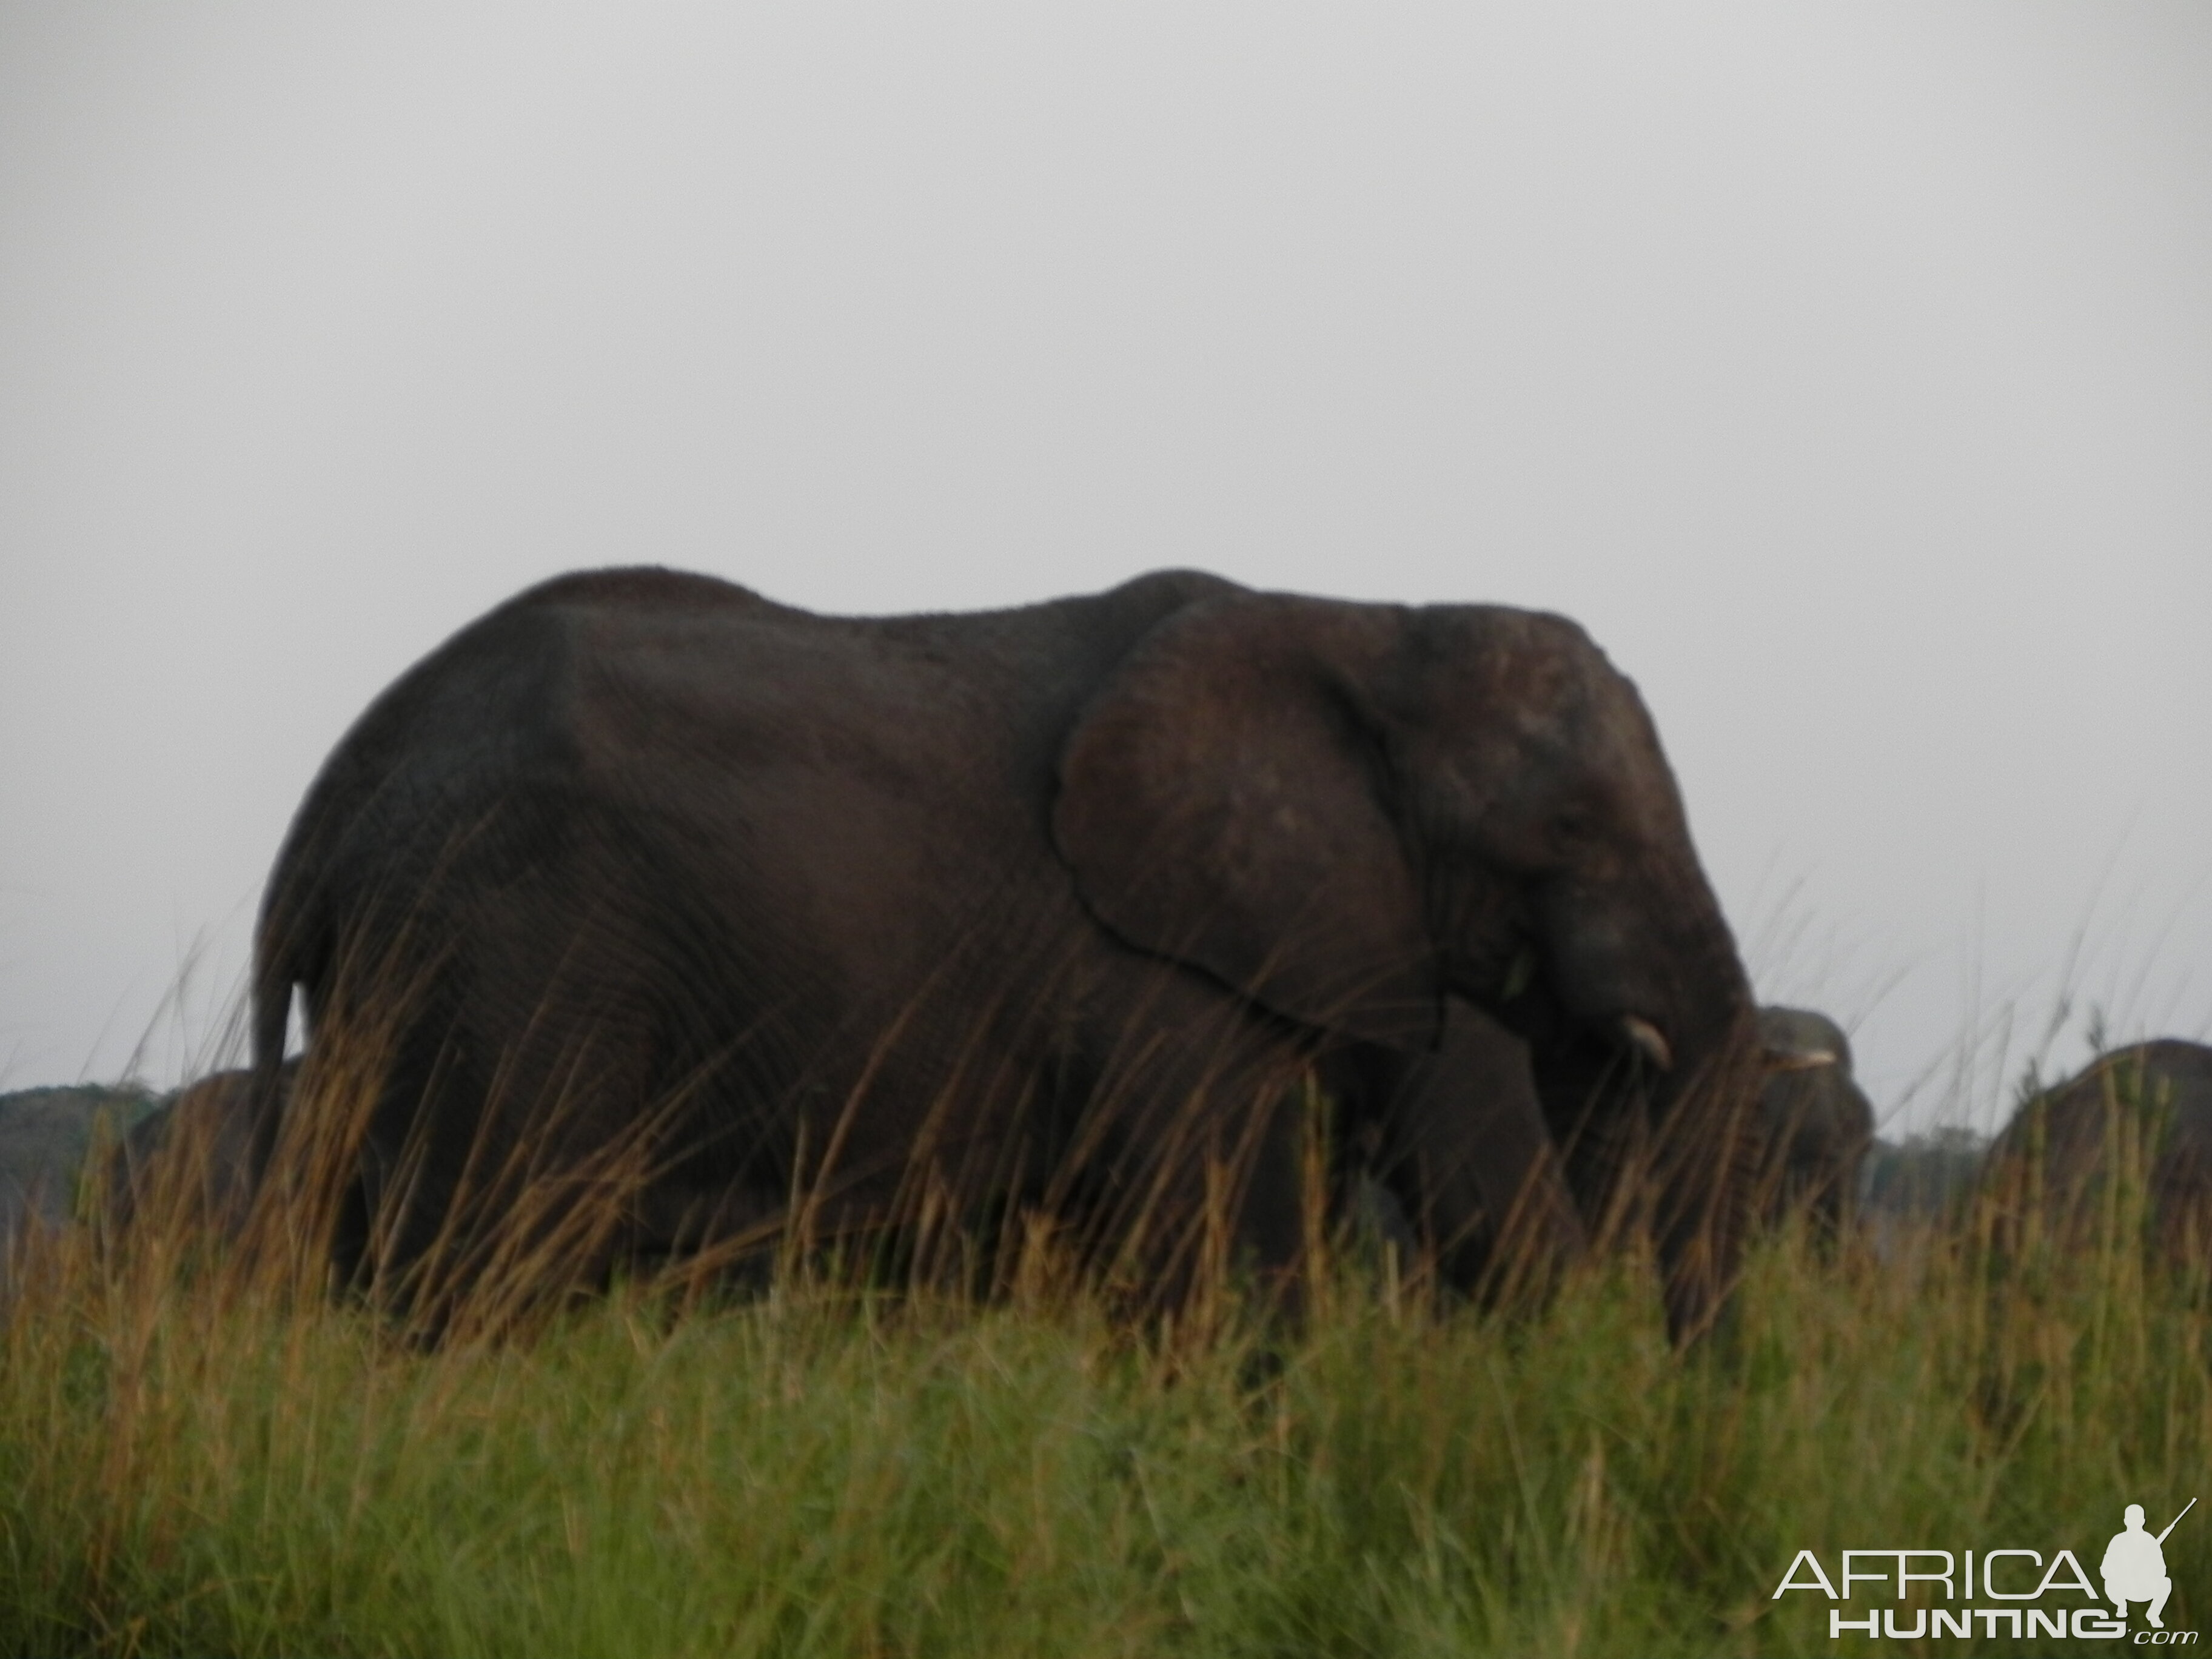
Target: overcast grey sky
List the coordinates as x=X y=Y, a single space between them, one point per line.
x=1847 y=371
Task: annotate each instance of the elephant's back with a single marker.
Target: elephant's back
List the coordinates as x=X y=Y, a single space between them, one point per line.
x=2166 y=1076
x=835 y=796
x=2151 y=1100
x=576 y=678
x=796 y=728
x=864 y=790
x=465 y=736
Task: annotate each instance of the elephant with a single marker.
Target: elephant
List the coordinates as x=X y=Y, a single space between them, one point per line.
x=1816 y=1129
x=189 y=1158
x=658 y=916
x=2151 y=1102
x=45 y=1137
x=1817 y=1123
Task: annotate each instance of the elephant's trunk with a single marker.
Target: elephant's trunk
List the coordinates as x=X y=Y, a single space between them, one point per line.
x=1704 y=1175
x=1653 y=1082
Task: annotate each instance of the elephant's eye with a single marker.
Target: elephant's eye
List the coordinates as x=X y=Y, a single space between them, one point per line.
x=1569 y=831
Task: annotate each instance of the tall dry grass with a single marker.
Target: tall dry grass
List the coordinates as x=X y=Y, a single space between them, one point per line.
x=204 y=1449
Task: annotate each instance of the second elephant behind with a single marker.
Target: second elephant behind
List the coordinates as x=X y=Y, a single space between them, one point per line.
x=2146 y=1110
x=1817 y=1122
x=1512 y=1195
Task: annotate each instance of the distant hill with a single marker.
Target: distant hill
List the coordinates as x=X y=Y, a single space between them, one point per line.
x=45 y=1135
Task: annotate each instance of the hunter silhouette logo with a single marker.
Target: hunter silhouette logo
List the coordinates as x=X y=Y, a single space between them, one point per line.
x=2133 y=1569
x=2135 y=1566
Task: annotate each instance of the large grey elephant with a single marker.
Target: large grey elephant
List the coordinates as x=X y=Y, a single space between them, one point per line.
x=822 y=922
x=1818 y=1124
x=2149 y=1103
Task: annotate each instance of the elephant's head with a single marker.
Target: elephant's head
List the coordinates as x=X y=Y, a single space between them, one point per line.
x=1350 y=810
x=1818 y=1124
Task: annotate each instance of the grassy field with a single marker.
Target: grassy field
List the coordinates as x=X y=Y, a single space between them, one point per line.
x=193 y=1465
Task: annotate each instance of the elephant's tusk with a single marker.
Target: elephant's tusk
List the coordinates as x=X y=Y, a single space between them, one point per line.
x=1643 y=1035
x=1800 y=1059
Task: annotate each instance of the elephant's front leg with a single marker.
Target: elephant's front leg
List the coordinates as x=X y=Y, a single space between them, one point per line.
x=1195 y=1163
x=1466 y=1150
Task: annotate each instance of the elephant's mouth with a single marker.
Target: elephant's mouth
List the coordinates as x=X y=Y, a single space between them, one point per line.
x=1532 y=1004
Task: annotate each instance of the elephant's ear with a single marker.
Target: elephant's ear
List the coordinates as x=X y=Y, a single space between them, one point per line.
x=1222 y=802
